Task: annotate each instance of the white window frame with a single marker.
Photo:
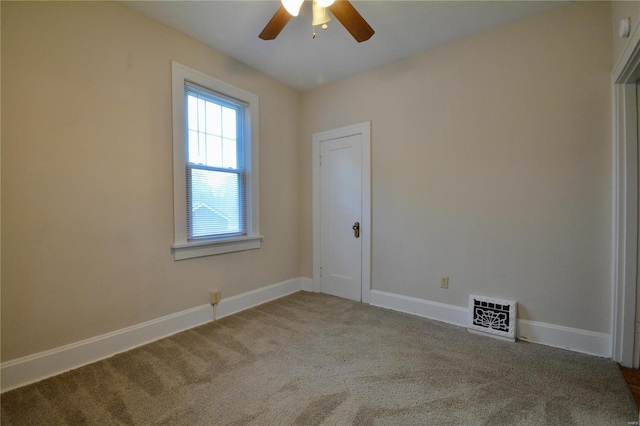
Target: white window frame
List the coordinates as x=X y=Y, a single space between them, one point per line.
x=182 y=247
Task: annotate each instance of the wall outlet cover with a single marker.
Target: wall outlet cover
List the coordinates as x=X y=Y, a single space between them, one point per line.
x=215 y=297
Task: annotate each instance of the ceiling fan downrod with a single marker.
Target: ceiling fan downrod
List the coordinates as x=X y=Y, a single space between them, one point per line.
x=342 y=10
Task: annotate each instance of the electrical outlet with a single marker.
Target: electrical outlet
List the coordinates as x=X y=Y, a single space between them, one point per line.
x=444 y=282
x=215 y=297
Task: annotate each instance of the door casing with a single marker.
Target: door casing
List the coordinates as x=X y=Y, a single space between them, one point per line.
x=625 y=202
x=363 y=129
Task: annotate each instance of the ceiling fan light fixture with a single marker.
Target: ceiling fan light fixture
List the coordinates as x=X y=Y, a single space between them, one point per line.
x=320 y=15
x=292 y=6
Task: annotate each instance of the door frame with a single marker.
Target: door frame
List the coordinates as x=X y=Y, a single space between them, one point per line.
x=363 y=129
x=625 y=203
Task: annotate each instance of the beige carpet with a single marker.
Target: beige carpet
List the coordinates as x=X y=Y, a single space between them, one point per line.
x=316 y=359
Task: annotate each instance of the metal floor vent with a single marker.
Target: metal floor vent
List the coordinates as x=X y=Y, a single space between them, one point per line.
x=494 y=317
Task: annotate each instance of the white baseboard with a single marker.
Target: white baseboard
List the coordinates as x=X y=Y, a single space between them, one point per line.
x=558 y=336
x=235 y=304
x=36 y=367
x=33 y=368
x=423 y=308
x=574 y=339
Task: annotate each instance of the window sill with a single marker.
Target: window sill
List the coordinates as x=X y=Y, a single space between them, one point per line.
x=211 y=248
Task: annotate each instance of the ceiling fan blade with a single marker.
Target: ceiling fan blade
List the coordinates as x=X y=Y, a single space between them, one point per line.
x=351 y=20
x=276 y=24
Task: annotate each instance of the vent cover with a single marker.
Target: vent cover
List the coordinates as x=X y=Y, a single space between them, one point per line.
x=492 y=316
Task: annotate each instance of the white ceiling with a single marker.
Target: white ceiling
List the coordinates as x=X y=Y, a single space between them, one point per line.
x=402 y=28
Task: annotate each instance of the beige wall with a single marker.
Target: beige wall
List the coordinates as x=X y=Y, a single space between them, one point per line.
x=491 y=164
x=620 y=10
x=87 y=178
x=495 y=150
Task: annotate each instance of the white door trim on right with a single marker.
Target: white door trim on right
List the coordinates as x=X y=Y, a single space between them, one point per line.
x=625 y=203
x=363 y=129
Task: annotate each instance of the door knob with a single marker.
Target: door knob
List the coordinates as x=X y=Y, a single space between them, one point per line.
x=356 y=229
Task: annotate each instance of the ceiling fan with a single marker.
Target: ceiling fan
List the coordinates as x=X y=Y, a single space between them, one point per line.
x=341 y=9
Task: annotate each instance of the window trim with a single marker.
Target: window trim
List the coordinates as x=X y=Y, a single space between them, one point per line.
x=182 y=247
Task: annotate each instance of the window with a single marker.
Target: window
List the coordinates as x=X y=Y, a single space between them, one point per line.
x=215 y=166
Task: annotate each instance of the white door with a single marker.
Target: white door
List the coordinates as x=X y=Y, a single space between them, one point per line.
x=341 y=216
